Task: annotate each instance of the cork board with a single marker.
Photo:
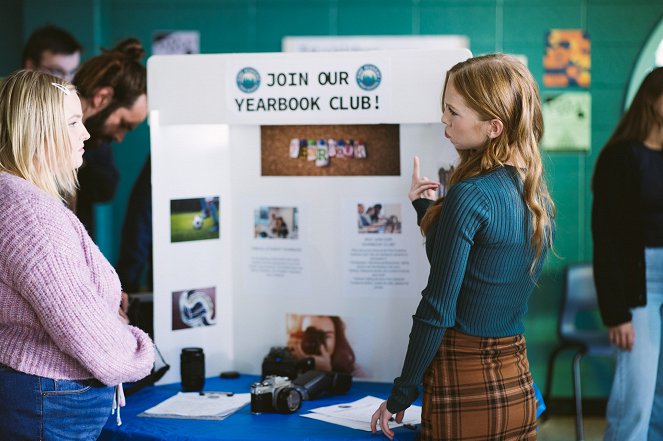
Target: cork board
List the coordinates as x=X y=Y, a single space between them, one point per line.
x=382 y=143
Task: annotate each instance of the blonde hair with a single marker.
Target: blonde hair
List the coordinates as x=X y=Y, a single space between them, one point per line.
x=34 y=141
x=498 y=86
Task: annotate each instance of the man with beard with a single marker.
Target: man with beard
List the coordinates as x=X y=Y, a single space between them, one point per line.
x=113 y=92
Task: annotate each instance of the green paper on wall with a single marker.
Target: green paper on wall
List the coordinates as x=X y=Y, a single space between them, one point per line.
x=567 y=121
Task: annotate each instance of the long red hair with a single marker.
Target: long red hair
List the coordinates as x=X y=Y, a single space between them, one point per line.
x=500 y=87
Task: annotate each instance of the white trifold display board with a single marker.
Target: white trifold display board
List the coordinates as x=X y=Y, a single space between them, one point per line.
x=207 y=115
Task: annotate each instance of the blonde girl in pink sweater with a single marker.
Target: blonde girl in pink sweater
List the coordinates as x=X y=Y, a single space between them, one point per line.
x=64 y=346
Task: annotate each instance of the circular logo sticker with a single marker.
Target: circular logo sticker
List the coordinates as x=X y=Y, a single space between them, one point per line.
x=368 y=77
x=248 y=80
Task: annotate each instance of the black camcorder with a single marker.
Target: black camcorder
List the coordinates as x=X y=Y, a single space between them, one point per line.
x=280 y=361
x=315 y=384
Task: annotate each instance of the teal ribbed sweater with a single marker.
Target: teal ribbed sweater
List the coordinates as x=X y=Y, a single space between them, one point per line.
x=480 y=254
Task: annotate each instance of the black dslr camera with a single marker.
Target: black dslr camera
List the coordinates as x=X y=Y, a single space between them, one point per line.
x=281 y=362
x=275 y=394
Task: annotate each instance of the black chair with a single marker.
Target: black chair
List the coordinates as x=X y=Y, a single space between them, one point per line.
x=579 y=298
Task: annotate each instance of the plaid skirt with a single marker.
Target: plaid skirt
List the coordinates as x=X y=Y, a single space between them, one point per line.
x=479 y=388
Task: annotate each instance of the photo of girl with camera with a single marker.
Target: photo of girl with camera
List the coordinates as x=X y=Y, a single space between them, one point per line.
x=322 y=337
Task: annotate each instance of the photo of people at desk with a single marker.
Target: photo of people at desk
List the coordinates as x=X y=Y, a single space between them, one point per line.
x=379 y=218
x=276 y=223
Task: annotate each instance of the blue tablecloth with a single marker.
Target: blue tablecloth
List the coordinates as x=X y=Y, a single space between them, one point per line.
x=241 y=425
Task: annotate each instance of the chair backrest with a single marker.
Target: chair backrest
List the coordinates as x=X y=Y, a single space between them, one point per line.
x=579 y=296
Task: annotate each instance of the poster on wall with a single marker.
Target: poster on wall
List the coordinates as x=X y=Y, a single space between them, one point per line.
x=276 y=223
x=444 y=174
x=194 y=219
x=378 y=219
x=309 y=160
x=567 y=60
x=330 y=150
x=379 y=248
x=194 y=308
x=263 y=92
x=331 y=341
x=175 y=42
x=277 y=259
x=567 y=120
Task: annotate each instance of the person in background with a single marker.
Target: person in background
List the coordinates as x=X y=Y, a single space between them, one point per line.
x=134 y=264
x=52 y=50
x=113 y=91
x=65 y=348
x=486 y=241
x=627 y=228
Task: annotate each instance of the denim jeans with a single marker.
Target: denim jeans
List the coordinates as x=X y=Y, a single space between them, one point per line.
x=38 y=408
x=635 y=406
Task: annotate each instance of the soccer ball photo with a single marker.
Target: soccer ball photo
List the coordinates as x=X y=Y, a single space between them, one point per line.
x=197 y=222
x=194 y=219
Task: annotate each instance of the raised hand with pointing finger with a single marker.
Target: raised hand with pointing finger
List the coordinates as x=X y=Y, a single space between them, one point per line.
x=421 y=188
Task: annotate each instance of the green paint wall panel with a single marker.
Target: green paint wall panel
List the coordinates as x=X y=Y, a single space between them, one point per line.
x=76 y=16
x=625 y=21
x=294 y=18
x=11 y=38
x=474 y=19
x=527 y=23
x=375 y=17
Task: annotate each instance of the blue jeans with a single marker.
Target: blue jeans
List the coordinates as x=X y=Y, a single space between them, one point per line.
x=38 y=408
x=635 y=407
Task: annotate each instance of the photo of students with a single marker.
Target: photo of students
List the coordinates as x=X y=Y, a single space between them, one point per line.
x=379 y=218
x=276 y=223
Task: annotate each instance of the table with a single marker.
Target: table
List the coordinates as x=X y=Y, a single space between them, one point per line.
x=242 y=425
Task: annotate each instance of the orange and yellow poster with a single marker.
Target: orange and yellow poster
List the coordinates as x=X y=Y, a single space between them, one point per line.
x=567 y=60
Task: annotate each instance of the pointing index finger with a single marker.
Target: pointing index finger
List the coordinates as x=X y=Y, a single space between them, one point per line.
x=415 y=170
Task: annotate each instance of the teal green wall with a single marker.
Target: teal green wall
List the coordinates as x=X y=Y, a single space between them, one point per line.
x=10 y=36
x=617 y=28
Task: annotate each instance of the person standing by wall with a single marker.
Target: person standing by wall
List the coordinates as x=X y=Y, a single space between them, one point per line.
x=486 y=241
x=627 y=228
x=134 y=264
x=64 y=344
x=52 y=50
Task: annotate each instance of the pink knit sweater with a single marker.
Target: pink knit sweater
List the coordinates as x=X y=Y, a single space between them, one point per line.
x=59 y=296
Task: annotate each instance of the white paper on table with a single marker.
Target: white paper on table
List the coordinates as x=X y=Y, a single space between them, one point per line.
x=357 y=414
x=364 y=425
x=215 y=405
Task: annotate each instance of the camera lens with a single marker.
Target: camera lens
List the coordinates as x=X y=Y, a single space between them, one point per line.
x=288 y=400
x=192 y=369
